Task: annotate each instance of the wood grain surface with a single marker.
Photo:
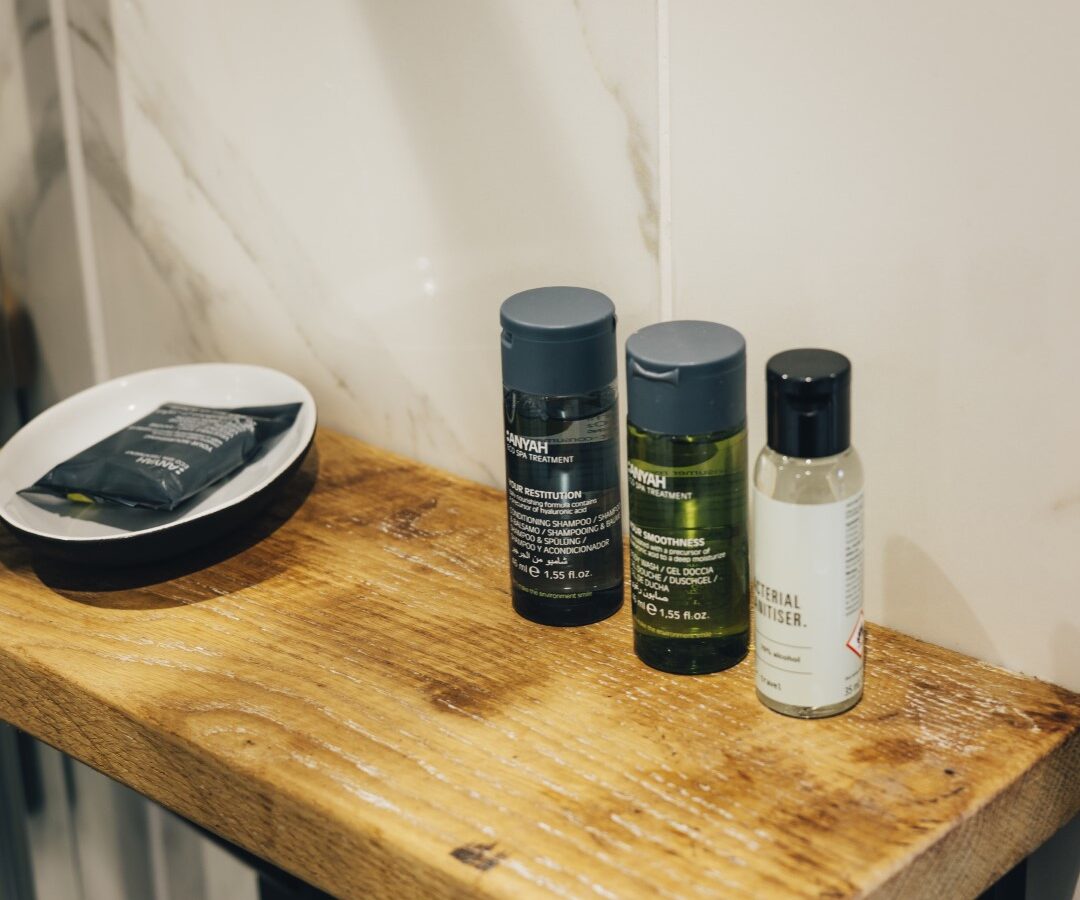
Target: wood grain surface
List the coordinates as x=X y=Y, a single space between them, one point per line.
x=343 y=689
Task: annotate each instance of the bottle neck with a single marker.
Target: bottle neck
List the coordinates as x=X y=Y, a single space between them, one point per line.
x=709 y=437
x=812 y=462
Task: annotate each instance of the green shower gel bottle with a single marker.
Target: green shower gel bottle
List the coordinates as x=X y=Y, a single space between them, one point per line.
x=686 y=446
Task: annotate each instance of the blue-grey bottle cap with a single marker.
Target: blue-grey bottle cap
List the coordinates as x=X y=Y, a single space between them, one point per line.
x=686 y=378
x=558 y=341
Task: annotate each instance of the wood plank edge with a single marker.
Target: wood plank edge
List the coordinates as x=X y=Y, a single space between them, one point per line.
x=992 y=838
x=243 y=807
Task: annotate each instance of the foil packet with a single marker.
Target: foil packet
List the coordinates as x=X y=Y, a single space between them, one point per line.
x=167 y=457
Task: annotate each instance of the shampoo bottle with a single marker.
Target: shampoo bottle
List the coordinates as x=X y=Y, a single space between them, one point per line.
x=561 y=433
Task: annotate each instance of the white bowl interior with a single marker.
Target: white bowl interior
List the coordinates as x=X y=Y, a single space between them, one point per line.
x=86 y=418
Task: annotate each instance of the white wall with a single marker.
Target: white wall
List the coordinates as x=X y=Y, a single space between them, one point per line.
x=902 y=183
x=348 y=191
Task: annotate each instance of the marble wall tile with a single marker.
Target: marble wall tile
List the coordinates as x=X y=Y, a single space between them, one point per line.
x=899 y=182
x=349 y=195
x=38 y=254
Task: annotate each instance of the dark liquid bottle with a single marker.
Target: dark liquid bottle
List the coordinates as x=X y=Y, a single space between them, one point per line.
x=560 y=405
x=686 y=445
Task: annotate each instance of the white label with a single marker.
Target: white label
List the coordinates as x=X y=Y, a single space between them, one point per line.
x=808 y=597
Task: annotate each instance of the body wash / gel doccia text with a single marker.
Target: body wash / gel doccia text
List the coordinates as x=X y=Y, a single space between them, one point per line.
x=666 y=572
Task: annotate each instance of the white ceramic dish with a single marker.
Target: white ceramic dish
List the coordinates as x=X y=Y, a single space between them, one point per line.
x=106 y=535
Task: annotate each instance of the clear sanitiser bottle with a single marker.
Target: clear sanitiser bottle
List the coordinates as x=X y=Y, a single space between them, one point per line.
x=807 y=544
x=686 y=452
x=561 y=433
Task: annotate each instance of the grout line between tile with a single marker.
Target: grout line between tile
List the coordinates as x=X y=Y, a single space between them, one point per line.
x=80 y=197
x=663 y=94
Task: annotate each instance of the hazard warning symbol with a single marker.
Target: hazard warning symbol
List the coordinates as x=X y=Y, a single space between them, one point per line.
x=855 y=642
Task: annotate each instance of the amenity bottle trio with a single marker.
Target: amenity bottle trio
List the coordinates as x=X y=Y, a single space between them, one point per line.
x=687 y=489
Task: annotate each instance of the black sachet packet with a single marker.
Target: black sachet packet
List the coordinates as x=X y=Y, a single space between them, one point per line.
x=166 y=457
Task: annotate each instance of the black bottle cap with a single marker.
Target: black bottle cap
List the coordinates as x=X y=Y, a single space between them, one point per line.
x=686 y=378
x=809 y=403
x=558 y=341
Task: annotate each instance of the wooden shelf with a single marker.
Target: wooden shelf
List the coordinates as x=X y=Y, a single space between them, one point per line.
x=344 y=690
